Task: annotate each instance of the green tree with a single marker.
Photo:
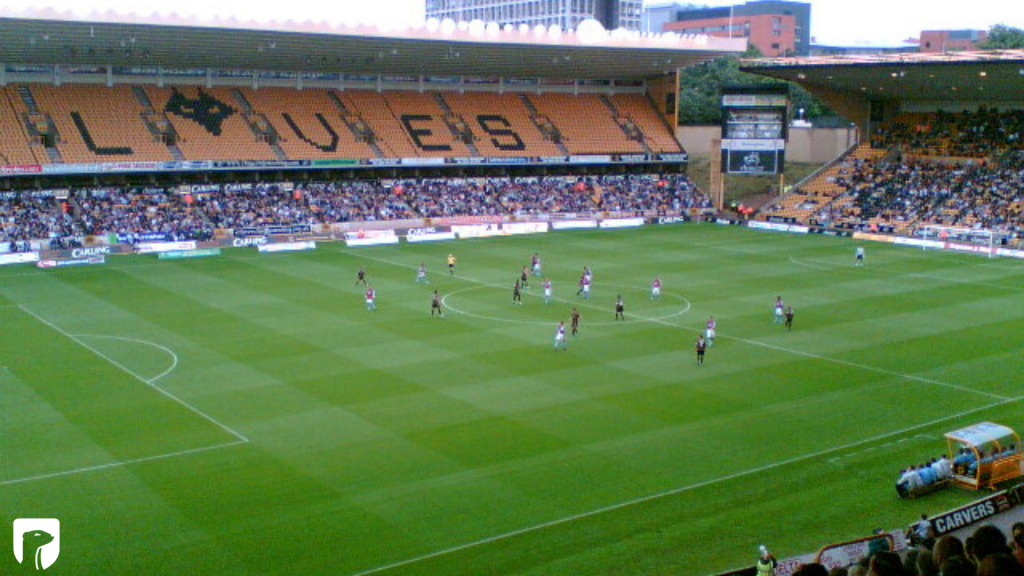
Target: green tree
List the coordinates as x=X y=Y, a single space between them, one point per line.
x=1003 y=37
x=700 y=90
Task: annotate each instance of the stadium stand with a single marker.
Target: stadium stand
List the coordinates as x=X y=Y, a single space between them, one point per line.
x=25 y=217
x=111 y=210
x=211 y=124
x=16 y=147
x=310 y=123
x=970 y=134
x=501 y=123
x=86 y=123
x=945 y=169
x=131 y=213
x=656 y=133
x=99 y=124
x=817 y=194
x=586 y=124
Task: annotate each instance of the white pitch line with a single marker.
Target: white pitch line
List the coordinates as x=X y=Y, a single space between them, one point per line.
x=586 y=304
x=132 y=373
x=679 y=490
x=174 y=357
x=639 y=320
x=120 y=463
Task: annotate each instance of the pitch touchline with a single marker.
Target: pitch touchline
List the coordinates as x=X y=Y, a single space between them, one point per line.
x=586 y=304
x=121 y=463
x=133 y=374
x=679 y=490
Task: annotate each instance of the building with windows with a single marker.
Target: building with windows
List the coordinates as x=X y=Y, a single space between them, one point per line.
x=776 y=28
x=564 y=13
x=950 y=40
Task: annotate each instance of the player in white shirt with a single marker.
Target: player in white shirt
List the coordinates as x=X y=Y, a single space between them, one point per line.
x=421 y=274
x=780 y=308
x=860 y=256
x=547 y=291
x=560 y=343
x=656 y=289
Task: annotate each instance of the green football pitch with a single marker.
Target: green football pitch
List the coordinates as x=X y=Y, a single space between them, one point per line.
x=247 y=415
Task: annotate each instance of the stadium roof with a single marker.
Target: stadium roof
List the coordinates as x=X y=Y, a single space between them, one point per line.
x=996 y=76
x=436 y=48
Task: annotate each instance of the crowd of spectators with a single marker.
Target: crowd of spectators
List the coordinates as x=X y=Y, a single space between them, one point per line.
x=987 y=552
x=898 y=194
x=138 y=214
x=134 y=215
x=971 y=134
x=25 y=217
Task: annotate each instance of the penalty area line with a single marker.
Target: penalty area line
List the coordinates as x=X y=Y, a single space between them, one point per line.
x=121 y=463
x=680 y=490
x=133 y=374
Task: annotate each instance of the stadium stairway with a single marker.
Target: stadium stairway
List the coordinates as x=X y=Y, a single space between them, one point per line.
x=356 y=124
x=545 y=125
x=629 y=128
x=457 y=125
x=821 y=190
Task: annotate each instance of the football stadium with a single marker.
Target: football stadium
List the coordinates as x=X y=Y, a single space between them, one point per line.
x=445 y=301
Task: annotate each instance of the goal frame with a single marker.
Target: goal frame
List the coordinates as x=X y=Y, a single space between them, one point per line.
x=938 y=233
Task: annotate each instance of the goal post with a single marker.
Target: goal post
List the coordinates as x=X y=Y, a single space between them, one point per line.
x=986 y=241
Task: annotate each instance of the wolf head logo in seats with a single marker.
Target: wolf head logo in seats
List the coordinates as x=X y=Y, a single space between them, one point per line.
x=205 y=110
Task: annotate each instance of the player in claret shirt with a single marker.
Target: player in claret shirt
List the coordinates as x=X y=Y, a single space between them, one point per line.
x=547 y=291
x=709 y=331
x=780 y=308
x=535 y=264
x=656 y=289
x=560 y=343
x=371 y=298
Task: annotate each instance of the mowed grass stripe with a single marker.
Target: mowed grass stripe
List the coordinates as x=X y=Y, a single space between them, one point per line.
x=395 y=435
x=97 y=404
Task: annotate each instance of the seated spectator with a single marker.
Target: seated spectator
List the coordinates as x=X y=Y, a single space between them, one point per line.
x=812 y=569
x=986 y=541
x=957 y=566
x=885 y=564
x=1017 y=543
x=948 y=546
x=1000 y=565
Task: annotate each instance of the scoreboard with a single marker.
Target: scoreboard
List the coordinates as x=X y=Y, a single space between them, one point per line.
x=754 y=129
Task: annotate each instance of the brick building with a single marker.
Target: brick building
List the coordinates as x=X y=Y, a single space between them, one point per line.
x=776 y=28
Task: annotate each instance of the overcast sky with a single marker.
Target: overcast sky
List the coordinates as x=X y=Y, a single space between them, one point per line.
x=835 y=22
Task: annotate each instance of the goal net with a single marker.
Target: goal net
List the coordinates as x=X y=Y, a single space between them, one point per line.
x=977 y=240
